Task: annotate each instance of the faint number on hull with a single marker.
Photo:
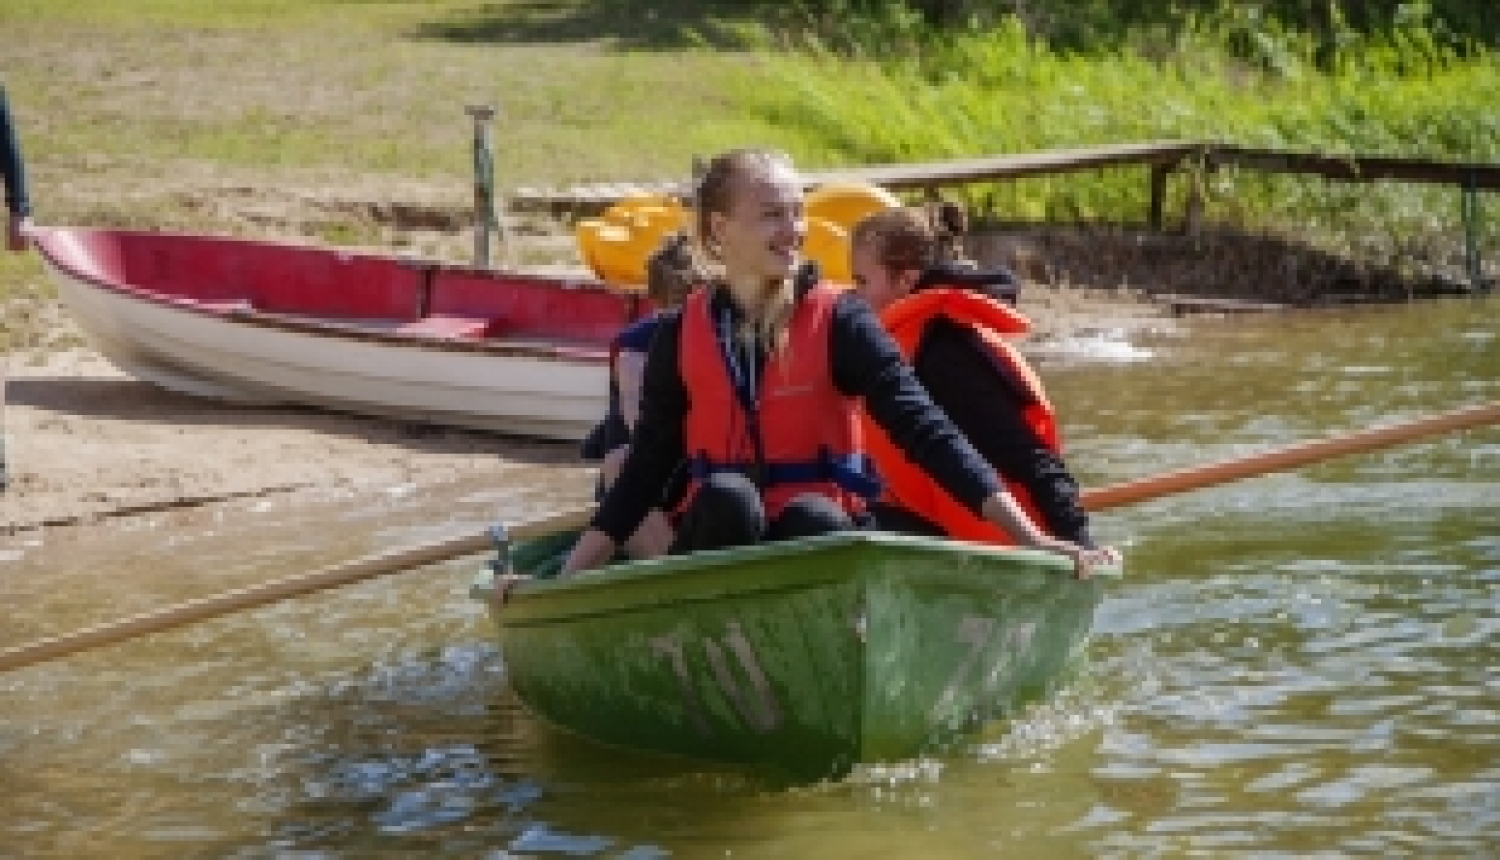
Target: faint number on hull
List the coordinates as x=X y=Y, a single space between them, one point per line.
x=755 y=702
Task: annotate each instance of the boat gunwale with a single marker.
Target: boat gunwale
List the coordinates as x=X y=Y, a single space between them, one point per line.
x=711 y=574
x=330 y=327
x=632 y=608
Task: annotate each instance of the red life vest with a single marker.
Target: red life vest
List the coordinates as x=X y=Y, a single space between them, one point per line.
x=800 y=435
x=906 y=484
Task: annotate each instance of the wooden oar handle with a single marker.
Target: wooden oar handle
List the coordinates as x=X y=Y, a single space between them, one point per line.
x=254 y=596
x=1288 y=458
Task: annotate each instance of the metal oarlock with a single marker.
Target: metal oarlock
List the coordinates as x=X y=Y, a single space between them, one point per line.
x=501 y=564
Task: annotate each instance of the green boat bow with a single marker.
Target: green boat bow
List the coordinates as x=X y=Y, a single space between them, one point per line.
x=806 y=657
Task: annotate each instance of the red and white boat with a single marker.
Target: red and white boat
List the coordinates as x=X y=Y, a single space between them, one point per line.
x=266 y=322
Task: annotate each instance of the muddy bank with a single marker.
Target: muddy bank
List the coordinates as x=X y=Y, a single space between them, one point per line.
x=1224 y=262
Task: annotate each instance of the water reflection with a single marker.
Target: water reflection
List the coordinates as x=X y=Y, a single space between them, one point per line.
x=1296 y=663
x=422 y=756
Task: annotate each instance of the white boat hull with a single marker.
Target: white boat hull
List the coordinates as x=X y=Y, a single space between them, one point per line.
x=224 y=356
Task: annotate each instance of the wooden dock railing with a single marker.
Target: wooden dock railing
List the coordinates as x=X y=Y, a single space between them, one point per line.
x=1163 y=158
x=927 y=176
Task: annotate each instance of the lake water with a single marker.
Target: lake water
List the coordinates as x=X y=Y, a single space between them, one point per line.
x=1304 y=664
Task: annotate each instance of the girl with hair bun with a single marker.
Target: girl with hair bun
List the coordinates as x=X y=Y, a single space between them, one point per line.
x=955 y=324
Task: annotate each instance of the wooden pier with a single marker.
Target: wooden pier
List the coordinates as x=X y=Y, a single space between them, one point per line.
x=1357 y=168
x=1160 y=158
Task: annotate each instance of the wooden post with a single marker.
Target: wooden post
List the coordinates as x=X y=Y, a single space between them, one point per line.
x=1192 y=216
x=484 y=183
x=4 y=371
x=1159 y=174
x=1469 y=204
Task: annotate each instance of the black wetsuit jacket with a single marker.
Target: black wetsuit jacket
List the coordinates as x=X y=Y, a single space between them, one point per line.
x=985 y=400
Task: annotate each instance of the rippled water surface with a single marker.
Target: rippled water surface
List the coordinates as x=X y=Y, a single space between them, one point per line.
x=1301 y=664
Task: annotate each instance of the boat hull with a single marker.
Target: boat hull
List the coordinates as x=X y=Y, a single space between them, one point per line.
x=220 y=358
x=805 y=657
x=375 y=366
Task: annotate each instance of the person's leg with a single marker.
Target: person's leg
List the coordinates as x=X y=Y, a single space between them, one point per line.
x=653 y=538
x=892 y=518
x=807 y=515
x=725 y=512
x=610 y=465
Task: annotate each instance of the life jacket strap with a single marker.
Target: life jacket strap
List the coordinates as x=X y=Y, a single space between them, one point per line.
x=853 y=473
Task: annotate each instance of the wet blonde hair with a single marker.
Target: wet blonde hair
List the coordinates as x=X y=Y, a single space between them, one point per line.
x=722 y=180
x=914 y=238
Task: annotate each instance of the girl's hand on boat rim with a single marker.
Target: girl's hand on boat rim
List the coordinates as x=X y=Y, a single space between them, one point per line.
x=1084 y=559
x=504 y=584
x=593 y=549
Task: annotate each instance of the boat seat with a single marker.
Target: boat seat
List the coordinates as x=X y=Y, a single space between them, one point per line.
x=229 y=307
x=446 y=325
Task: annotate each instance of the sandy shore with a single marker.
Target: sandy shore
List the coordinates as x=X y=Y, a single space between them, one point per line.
x=85 y=442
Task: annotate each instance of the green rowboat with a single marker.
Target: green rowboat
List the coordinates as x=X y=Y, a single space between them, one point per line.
x=805 y=657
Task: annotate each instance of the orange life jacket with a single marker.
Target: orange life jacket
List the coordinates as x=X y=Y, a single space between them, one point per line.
x=799 y=434
x=906 y=484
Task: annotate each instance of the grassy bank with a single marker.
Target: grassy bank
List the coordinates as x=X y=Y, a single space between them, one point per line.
x=343 y=120
x=367 y=87
x=894 y=90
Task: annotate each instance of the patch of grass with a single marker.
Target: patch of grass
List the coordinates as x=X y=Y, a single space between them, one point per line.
x=910 y=95
x=223 y=14
x=296 y=118
x=364 y=102
x=120 y=100
x=24 y=287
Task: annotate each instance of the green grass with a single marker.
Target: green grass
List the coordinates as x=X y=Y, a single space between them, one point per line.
x=231 y=116
x=22 y=284
x=224 y=14
x=380 y=87
x=364 y=86
x=891 y=94
x=153 y=112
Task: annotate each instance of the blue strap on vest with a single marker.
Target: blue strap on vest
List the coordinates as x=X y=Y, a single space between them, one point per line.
x=853 y=473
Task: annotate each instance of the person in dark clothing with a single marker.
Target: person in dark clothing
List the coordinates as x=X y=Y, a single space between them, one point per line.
x=18 y=222
x=906 y=262
x=757 y=381
x=13 y=173
x=671 y=273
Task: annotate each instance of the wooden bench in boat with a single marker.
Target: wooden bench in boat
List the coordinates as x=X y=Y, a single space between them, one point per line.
x=449 y=325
